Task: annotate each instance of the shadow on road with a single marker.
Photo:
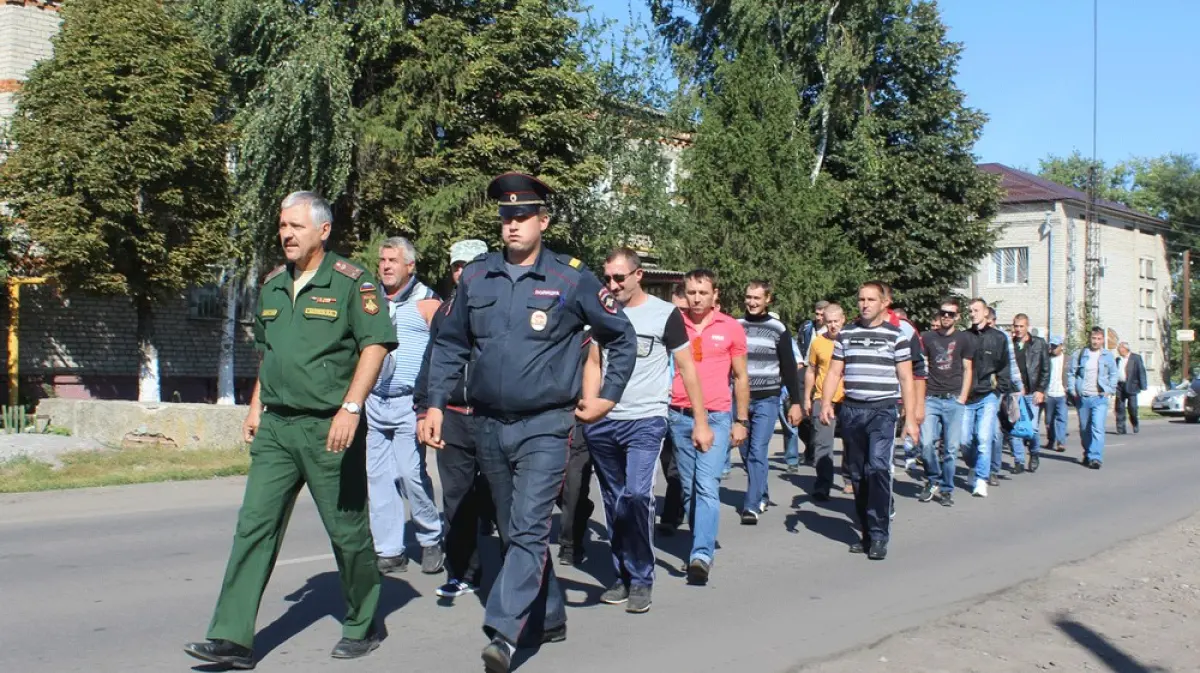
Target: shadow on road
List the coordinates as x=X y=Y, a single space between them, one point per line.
x=321 y=597
x=839 y=528
x=1113 y=657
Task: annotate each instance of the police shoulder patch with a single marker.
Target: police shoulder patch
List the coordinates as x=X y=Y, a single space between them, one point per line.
x=570 y=261
x=608 y=301
x=347 y=269
x=275 y=272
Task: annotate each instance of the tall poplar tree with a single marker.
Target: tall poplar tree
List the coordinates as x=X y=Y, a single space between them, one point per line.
x=119 y=166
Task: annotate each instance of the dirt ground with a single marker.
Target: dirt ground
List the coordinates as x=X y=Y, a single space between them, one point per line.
x=1132 y=609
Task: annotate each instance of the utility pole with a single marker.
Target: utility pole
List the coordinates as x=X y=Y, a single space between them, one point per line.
x=1186 y=346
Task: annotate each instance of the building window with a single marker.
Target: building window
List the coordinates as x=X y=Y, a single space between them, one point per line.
x=1148 y=359
x=1146 y=268
x=1146 y=329
x=1010 y=266
x=204 y=303
x=1147 y=299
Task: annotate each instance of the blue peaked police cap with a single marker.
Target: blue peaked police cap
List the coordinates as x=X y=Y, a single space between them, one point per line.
x=518 y=194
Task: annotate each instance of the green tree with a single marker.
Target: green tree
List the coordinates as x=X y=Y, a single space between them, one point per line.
x=119 y=166
x=1075 y=171
x=752 y=212
x=875 y=81
x=478 y=88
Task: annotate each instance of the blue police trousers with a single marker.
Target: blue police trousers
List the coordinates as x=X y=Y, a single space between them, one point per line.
x=525 y=462
x=868 y=441
x=625 y=453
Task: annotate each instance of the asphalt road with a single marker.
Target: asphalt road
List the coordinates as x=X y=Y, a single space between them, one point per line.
x=118 y=579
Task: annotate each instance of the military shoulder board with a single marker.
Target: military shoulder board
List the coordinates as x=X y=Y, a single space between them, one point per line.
x=347 y=269
x=275 y=272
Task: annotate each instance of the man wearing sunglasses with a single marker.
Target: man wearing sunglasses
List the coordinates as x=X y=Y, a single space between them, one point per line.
x=950 y=354
x=718 y=345
x=625 y=444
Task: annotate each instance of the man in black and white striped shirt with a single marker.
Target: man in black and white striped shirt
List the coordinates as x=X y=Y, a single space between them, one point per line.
x=874 y=360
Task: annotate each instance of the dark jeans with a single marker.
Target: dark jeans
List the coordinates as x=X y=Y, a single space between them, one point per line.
x=466 y=498
x=524 y=462
x=575 y=499
x=1126 y=404
x=672 y=511
x=868 y=440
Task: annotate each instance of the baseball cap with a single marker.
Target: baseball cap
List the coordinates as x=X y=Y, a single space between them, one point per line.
x=1056 y=340
x=467 y=250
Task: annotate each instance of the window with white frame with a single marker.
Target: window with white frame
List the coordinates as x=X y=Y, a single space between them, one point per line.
x=1148 y=359
x=1010 y=266
x=1147 y=298
x=1146 y=268
x=1146 y=329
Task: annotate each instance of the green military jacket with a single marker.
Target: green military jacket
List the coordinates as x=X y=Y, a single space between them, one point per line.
x=310 y=350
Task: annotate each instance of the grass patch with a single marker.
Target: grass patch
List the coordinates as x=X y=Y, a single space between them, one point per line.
x=82 y=469
x=1147 y=412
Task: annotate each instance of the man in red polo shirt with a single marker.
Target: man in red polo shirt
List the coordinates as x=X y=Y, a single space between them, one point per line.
x=718 y=349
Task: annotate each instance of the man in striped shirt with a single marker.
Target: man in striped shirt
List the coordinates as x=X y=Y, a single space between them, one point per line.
x=874 y=361
x=395 y=462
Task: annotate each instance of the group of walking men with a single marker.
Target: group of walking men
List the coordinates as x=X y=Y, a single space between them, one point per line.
x=533 y=372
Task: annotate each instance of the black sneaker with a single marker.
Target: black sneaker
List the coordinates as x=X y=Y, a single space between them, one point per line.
x=224 y=652
x=860 y=547
x=618 y=593
x=392 y=564
x=697 y=572
x=1094 y=464
x=947 y=500
x=569 y=556
x=878 y=550
x=555 y=634
x=1018 y=468
x=639 y=599
x=749 y=518
x=930 y=492
x=993 y=480
x=455 y=588
x=351 y=648
x=793 y=469
x=1034 y=463
x=497 y=656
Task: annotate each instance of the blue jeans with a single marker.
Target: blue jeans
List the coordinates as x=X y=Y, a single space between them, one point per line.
x=943 y=419
x=998 y=438
x=700 y=474
x=1018 y=444
x=980 y=419
x=1093 y=411
x=625 y=454
x=754 y=450
x=1056 y=421
x=396 y=471
x=791 y=436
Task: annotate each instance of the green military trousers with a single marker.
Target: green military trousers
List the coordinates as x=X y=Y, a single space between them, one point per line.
x=287 y=453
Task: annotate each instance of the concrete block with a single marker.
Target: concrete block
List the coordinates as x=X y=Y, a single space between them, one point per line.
x=121 y=423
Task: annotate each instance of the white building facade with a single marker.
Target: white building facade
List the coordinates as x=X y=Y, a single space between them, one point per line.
x=1038 y=268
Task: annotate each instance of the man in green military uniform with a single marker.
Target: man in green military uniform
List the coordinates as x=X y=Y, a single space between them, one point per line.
x=322 y=336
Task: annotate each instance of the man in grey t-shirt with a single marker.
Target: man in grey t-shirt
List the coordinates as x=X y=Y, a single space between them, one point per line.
x=625 y=444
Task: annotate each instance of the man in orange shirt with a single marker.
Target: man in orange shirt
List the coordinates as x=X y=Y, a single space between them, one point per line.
x=820 y=355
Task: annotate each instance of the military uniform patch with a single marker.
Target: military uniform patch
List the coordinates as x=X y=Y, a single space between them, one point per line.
x=367 y=287
x=538 y=320
x=275 y=272
x=270 y=312
x=321 y=312
x=325 y=300
x=574 y=263
x=347 y=269
x=608 y=301
x=370 y=304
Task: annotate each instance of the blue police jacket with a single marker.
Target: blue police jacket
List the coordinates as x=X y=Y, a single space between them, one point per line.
x=523 y=337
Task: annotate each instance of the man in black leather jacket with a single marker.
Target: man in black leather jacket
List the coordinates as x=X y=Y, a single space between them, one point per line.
x=1033 y=359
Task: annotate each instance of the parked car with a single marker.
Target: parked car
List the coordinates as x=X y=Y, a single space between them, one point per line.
x=1191 y=402
x=1170 y=402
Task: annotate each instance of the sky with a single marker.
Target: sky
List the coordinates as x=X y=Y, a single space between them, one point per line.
x=1028 y=65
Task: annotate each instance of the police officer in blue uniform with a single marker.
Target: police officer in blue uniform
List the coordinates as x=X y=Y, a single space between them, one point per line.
x=518 y=319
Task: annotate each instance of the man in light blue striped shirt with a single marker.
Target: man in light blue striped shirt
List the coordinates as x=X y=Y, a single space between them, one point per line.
x=396 y=466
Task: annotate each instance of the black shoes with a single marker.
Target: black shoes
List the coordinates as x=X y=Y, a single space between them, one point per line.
x=947 y=500
x=666 y=528
x=697 y=572
x=392 y=564
x=556 y=634
x=860 y=547
x=1094 y=464
x=349 y=648
x=993 y=480
x=497 y=656
x=1034 y=463
x=222 y=652
x=570 y=556
x=878 y=550
x=1018 y=468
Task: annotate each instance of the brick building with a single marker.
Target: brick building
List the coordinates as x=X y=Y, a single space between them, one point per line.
x=26 y=27
x=1038 y=267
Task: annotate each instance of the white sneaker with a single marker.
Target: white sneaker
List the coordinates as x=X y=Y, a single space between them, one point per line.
x=910 y=463
x=980 y=488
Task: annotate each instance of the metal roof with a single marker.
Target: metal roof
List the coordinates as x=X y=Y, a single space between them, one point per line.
x=1022 y=187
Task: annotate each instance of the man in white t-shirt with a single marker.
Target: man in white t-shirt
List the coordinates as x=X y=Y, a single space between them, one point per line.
x=1056 y=398
x=625 y=444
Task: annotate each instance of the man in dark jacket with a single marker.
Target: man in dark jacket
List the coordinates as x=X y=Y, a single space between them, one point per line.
x=1131 y=380
x=1033 y=361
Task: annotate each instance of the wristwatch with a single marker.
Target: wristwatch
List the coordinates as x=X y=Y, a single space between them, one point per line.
x=352 y=407
x=744 y=421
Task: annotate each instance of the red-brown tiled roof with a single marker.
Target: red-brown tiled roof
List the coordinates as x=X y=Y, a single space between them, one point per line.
x=1022 y=187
